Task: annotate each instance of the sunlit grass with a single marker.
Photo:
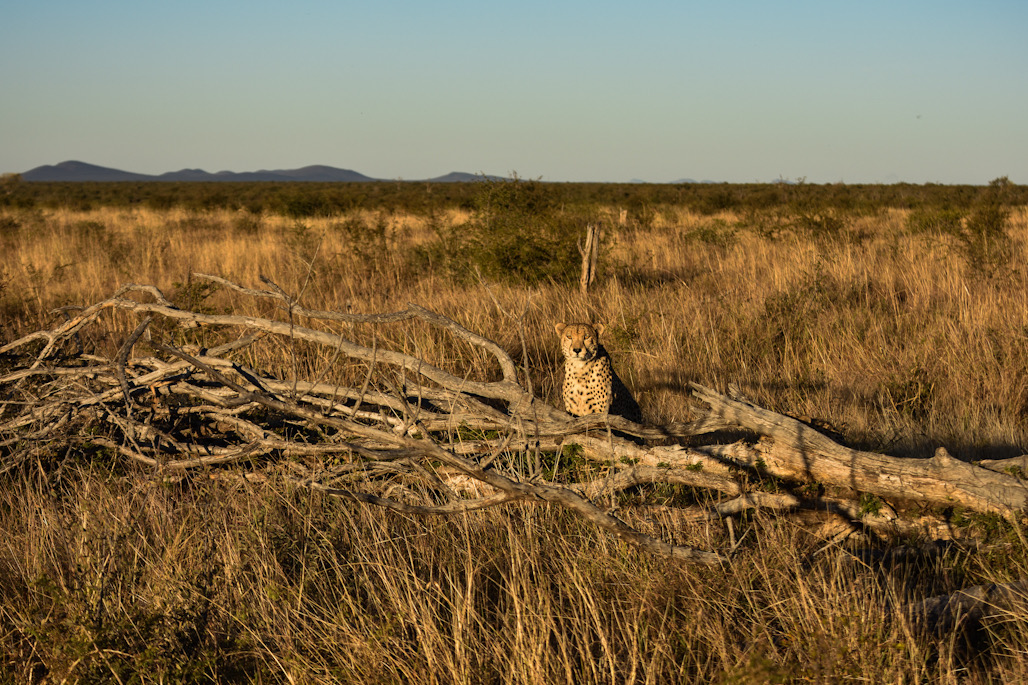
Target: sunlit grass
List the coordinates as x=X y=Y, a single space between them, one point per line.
x=888 y=334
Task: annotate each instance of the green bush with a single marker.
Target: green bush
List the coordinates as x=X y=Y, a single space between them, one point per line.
x=820 y=225
x=980 y=232
x=248 y=223
x=519 y=232
x=367 y=240
x=934 y=221
x=717 y=232
x=982 y=240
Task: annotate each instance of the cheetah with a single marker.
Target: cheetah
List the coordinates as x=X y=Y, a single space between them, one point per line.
x=590 y=384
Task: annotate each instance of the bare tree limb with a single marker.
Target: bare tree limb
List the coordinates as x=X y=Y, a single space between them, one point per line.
x=410 y=436
x=796 y=450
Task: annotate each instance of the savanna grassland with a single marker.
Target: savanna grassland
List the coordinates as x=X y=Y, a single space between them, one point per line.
x=897 y=315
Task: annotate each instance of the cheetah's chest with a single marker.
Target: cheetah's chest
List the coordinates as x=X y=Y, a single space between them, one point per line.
x=587 y=386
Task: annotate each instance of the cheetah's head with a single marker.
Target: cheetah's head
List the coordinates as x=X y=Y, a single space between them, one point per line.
x=579 y=341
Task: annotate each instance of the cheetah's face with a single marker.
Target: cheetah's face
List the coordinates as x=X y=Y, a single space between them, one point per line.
x=579 y=341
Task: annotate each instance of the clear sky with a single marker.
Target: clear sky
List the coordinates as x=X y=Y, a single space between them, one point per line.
x=725 y=90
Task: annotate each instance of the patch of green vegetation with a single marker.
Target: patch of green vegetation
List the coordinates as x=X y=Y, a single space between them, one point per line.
x=812 y=489
x=248 y=223
x=990 y=526
x=984 y=242
x=717 y=232
x=767 y=480
x=624 y=334
x=519 y=232
x=1016 y=472
x=568 y=465
x=465 y=432
x=870 y=505
x=824 y=225
x=304 y=200
x=934 y=221
x=193 y=295
x=979 y=230
x=367 y=239
x=572 y=452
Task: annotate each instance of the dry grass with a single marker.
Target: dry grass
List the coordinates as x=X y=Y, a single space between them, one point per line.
x=888 y=333
x=129 y=578
x=885 y=332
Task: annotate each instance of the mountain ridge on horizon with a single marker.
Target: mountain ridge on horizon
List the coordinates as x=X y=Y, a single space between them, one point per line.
x=76 y=171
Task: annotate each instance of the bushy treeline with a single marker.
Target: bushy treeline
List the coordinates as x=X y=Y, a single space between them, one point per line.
x=302 y=200
x=299 y=200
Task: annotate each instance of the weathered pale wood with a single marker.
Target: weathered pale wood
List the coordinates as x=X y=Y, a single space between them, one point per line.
x=1013 y=465
x=590 y=256
x=797 y=451
x=137 y=402
x=414 y=439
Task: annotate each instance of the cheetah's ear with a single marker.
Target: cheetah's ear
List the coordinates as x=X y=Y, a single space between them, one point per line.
x=559 y=327
x=599 y=328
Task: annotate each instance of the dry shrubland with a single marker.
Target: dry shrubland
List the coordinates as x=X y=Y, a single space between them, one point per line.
x=902 y=329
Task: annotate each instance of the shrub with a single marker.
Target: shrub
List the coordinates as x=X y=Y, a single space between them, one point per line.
x=367 y=240
x=519 y=232
x=820 y=225
x=980 y=233
x=934 y=221
x=717 y=232
x=248 y=223
x=721 y=199
x=983 y=240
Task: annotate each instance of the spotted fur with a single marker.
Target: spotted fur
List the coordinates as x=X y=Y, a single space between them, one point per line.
x=590 y=384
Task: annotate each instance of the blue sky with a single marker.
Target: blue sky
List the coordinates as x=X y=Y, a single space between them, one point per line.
x=735 y=91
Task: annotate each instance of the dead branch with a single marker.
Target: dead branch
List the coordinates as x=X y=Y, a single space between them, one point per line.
x=590 y=256
x=413 y=437
x=795 y=450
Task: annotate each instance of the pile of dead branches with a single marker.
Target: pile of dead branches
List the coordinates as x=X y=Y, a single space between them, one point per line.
x=416 y=438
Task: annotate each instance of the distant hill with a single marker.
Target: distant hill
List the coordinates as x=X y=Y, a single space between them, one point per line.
x=462 y=177
x=81 y=171
x=681 y=181
x=308 y=173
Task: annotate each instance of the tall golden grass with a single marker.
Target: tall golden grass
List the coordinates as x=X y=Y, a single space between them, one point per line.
x=884 y=331
x=887 y=333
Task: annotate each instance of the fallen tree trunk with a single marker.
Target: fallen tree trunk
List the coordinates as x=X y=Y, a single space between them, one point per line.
x=797 y=451
x=411 y=436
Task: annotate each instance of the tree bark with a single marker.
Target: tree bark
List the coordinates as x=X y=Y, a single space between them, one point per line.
x=590 y=257
x=797 y=451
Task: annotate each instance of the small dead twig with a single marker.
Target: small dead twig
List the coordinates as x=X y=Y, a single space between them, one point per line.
x=122 y=359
